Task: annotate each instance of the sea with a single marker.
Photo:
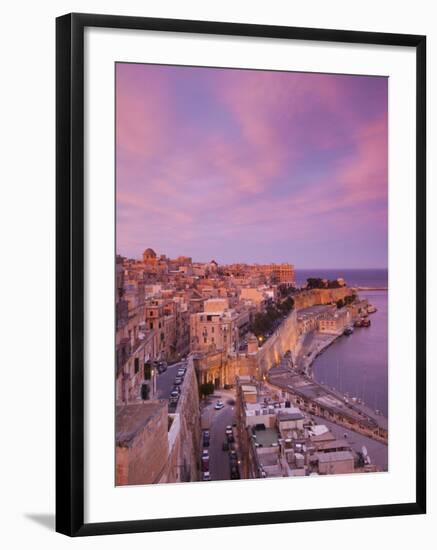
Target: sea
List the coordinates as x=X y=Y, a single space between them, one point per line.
x=376 y=278
x=357 y=365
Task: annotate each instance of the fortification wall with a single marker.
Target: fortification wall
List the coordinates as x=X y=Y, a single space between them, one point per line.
x=189 y=415
x=320 y=296
x=222 y=369
x=283 y=339
x=184 y=434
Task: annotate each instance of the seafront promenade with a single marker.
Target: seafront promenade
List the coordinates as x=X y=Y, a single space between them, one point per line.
x=293 y=374
x=325 y=402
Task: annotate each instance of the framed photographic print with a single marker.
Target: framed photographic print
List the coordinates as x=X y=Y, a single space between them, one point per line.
x=240 y=274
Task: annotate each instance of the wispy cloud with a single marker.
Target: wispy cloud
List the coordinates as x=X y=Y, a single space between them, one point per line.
x=231 y=163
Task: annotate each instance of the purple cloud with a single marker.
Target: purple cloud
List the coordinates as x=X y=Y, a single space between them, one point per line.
x=252 y=165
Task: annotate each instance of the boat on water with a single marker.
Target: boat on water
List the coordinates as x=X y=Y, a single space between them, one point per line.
x=348 y=331
x=365 y=323
x=371 y=309
x=358 y=323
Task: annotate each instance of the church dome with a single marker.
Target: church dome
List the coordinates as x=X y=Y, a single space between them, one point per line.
x=149 y=253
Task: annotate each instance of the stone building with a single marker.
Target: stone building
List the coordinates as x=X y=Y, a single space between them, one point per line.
x=153 y=446
x=141 y=442
x=135 y=345
x=334 y=322
x=214 y=330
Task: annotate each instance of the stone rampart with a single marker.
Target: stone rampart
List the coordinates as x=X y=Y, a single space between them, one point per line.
x=220 y=369
x=189 y=416
x=320 y=296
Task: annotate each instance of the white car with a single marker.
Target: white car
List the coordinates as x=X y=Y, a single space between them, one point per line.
x=219 y=405
x=228 y=430
x=206 y=476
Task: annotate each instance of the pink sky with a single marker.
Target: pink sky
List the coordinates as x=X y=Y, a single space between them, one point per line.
x=256 y=166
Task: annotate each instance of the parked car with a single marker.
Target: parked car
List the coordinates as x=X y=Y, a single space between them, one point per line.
x=235 y=474
x=233 y=459
x=181 y=372
x=206 y=438
x=205 y=460
x=225 y=445
x=178 y=380
x=174 y=393
x=228 y=430
x=206 y=476
x=219 y=405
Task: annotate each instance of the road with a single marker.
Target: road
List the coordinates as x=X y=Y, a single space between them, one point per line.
x=165 y=381
x=219 y=459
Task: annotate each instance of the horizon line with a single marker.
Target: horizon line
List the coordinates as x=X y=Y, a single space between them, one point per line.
x=266 y=262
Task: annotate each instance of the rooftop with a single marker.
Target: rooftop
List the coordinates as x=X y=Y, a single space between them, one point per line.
x=266 y=437
x=340 y=444
x=293 y=414
x=246 y=388
x=312 y=310
x=336 y=456
x=319 y=429
x=131 y=419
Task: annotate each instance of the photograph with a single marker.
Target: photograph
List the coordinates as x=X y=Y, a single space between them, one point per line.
x=221 y=216
x=251 y=274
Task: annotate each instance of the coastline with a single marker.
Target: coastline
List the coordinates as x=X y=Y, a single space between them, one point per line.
x=315 y=349
x=313 y=346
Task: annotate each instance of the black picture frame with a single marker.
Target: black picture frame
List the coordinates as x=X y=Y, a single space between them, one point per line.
x=70 y=273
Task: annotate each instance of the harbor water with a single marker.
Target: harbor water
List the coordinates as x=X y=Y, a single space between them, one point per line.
x=357 y=365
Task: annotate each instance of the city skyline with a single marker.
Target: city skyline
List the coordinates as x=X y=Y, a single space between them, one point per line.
x=252 y=166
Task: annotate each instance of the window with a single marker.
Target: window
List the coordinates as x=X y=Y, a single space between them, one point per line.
x=136 y=365
x=205 y=340
x=212 y=329
x=147 y=371
x=151 y=324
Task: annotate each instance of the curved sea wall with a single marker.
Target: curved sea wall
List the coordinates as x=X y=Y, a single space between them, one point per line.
x=286 y=336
